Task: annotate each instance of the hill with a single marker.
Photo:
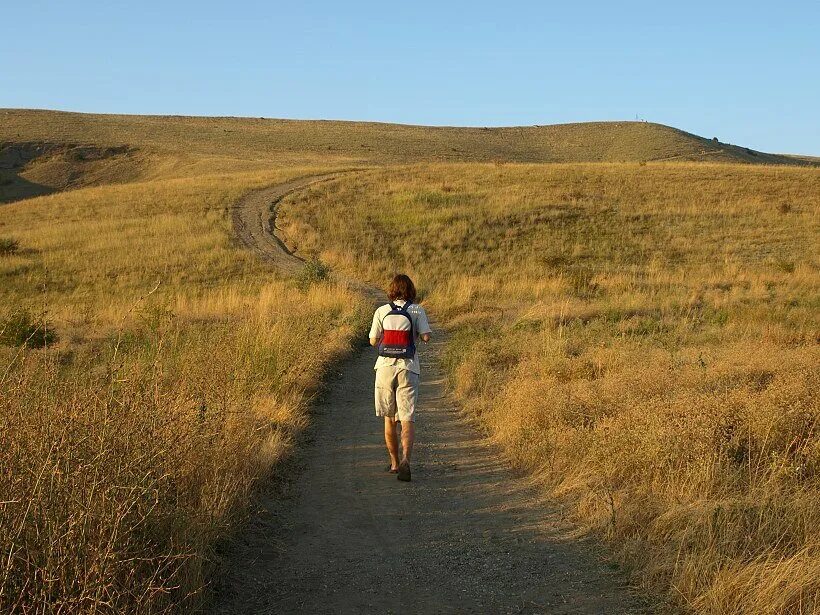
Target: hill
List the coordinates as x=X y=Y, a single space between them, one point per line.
x=375 y=142
x=641 y=338
x=42 y=151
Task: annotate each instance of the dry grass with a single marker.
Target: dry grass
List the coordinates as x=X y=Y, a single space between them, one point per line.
x=367 y=142
x=650 y=333
x=642 y=339
x=129 y=448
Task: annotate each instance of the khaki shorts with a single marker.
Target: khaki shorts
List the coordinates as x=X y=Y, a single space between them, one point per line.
x=397 y=391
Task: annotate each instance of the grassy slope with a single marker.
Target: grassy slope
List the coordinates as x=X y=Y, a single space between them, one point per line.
x=372 y=142
x=124 y=366
x=151 y=417
x=79 y=150
x=643 y=339
x=86 y=149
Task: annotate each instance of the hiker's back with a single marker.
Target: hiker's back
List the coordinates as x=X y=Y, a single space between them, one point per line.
x=401 y=330
x=398 y=332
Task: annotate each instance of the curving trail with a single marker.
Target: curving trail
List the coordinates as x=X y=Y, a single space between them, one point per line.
x=343 y=536
x=254 y=221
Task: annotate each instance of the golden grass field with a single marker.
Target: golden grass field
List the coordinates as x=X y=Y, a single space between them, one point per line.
x=130 y=447
x=641 y=337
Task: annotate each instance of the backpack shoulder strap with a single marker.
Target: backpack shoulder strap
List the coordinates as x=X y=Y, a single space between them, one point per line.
x=381 y=320
x=404 y=311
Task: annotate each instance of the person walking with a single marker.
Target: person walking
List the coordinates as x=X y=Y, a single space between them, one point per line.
x=397 y=327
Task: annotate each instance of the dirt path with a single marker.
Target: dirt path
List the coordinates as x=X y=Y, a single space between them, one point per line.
x=464 y=537
x=254 y=221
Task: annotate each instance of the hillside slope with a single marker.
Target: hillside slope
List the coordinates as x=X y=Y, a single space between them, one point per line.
x=375 y=142
x=47 y=151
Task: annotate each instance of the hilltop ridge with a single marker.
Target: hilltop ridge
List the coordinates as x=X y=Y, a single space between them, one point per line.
x=376 y=142
x=44 y=151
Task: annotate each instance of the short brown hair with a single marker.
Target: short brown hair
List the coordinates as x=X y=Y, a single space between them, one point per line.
x=401 y=287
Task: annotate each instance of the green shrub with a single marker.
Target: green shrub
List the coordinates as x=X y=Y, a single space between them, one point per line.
x=21 y=329
x=313 y=272
x=8 y=246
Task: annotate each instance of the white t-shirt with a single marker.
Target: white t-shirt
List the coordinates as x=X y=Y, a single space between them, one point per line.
x=420 y=327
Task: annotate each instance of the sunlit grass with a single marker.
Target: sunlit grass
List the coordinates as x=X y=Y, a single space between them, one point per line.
x=643 y=339
x=178 y=378
x=237 y=141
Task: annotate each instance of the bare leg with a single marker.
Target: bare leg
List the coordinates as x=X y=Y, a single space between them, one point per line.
x=391 y=438
x=408 y=432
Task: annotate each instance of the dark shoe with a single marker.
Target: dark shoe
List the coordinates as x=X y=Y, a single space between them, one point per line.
x=390 y=469
x=404 y=471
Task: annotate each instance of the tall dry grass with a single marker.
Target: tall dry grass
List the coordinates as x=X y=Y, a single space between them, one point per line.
x=130 y=447
x=643 y=339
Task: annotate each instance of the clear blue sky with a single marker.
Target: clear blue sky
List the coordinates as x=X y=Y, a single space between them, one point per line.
x=746 y=72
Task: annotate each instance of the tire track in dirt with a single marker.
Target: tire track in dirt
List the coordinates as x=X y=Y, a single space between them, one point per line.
x=340 y=535
x=254 y=221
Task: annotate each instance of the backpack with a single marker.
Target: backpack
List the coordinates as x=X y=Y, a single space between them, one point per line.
x=398 y=339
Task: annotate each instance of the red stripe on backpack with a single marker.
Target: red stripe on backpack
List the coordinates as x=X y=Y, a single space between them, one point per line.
x=398 y=343
x=396 y=338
